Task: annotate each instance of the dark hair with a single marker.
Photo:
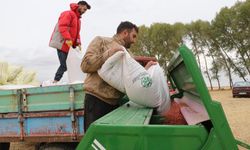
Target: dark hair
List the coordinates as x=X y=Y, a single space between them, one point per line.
x=84 y=3
x=126 y=25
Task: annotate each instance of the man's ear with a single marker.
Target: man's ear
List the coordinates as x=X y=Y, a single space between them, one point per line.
x=126 y=32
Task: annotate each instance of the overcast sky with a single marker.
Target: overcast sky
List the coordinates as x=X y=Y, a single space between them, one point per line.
x=26 y=25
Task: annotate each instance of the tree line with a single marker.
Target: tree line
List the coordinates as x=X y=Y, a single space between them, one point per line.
x=225 y=42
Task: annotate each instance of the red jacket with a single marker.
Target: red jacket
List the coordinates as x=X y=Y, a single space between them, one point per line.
x=67 y=28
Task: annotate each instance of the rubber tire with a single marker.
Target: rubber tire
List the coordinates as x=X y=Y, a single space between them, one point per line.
x=58 y=146
x=4 y=146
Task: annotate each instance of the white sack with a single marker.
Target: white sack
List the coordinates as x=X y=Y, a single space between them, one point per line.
x=161 y=87
x=73 y=62
x=146 y=87
x=112 y=71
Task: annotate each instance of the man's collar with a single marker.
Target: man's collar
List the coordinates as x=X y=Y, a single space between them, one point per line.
x=119 y=40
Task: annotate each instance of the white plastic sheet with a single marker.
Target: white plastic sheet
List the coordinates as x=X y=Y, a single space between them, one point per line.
x=11 y=87
x=74 y=59
x=16 y=75
x=3 y=72
x=13 y=72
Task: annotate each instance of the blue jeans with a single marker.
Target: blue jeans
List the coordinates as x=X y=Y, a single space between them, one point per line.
x=63 y=67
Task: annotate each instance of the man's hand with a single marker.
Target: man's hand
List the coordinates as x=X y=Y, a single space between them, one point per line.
x=69 y=43
x=149 y=64
x=79 y=47
x=115 y=49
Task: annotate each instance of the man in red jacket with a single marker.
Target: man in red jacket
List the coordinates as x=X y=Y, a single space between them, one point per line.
x=67 y=34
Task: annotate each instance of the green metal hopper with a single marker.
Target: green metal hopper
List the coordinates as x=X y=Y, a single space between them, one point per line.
x=133 y=127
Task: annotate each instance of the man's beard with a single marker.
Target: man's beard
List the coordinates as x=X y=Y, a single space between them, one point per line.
x=127 y=42
x=127 y=45
x=80 y=12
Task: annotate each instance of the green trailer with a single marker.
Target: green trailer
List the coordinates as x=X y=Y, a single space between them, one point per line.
x=133 y=127
x=50 y=116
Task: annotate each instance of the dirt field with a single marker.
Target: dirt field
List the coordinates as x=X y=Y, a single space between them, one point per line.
x=237 y=111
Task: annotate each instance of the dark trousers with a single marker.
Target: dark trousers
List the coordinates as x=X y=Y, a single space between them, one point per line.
x=94 y=108
x=63 y=67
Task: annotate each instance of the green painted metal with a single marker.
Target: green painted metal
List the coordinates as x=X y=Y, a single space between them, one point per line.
x=120 y=137
x=220 y=125
x=128 y=114
x=42 y=99
x=9 y=100
x=127 y=128
x=242 y=144
x=53 y=98
x=42 y=114
x=213 y=143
